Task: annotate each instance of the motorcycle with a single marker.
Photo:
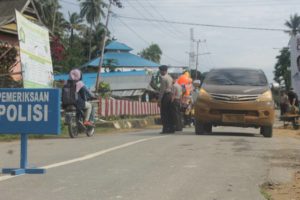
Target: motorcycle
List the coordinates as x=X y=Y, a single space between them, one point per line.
x=74 y=121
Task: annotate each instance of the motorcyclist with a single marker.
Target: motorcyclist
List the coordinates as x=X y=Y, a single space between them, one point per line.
x=84 y=95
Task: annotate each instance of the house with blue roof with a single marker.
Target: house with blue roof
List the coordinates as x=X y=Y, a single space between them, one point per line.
x=129 y=84
x=131 y=78
x=121 y=58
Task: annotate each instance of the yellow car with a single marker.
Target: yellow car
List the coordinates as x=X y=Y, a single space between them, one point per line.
x=235 y=97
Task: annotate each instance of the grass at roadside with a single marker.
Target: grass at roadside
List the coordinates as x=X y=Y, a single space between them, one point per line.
x=264 y=192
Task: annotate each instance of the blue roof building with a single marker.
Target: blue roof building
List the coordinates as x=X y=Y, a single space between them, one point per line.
x=122 y=84
x=122 y=58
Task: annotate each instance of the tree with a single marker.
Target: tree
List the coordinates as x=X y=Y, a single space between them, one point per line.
x=74 y=23
x=97 y=38
x=8 y=59
x=110 y=64
x=153 y=53
x=51 y=16
x=293 y=24
x=92 y=10
x=57 y=50
x=282 y=73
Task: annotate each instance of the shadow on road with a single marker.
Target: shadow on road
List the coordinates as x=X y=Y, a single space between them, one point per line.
x=237 y=134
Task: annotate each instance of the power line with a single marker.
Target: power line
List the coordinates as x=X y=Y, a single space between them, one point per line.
x=156 y=24
x=199 y=24
x=227 y=3
x=167 y=28
x=132 y=30
x=141 y=38
x=155 y=10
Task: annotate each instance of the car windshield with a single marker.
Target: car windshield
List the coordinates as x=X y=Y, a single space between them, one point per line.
x=236 y=77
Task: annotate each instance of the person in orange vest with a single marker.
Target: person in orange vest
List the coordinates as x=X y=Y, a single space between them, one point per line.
x=176 y=103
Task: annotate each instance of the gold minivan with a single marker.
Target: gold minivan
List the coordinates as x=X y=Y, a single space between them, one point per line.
x=235 y=97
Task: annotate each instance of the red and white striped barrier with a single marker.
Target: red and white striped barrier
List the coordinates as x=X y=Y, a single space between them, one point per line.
x=114 y=107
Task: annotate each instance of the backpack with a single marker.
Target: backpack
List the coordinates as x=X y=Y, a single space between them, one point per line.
x=69 y=94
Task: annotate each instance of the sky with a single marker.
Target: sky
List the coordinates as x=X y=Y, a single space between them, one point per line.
x=226 y=47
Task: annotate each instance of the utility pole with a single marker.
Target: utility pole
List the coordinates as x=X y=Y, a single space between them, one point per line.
x=191 y=53
x=197 y=55
x=101 y=58
x=54 y=16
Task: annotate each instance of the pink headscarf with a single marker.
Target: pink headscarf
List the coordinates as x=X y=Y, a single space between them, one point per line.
x=76 y=75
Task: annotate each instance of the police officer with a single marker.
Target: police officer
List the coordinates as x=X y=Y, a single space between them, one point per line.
x=165 y=100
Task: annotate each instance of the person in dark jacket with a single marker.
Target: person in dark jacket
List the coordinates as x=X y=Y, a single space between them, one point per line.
x=165 y=101
x=84 y=95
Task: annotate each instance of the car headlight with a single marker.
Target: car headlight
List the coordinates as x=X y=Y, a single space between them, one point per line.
x=203 y=93
x=266 y=96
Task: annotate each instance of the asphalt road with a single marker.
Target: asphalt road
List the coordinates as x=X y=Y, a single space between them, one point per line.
x=229 y=164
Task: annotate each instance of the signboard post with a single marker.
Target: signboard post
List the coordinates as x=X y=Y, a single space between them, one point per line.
x=29 y=111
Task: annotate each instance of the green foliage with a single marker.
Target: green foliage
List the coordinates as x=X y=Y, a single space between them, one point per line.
x=282 y=73
x=110 y=64
x=104 y=89
x=10 y=54
x=153 y=53
x=92 y=11
x=49 y=11
x=73 y=56
x=74 y=24
x=7 y=64
x=264 y=191
x=80 y=42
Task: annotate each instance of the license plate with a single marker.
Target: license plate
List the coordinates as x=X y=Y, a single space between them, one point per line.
x=233 y=118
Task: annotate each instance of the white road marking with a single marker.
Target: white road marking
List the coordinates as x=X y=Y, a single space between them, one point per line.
x=87 y=157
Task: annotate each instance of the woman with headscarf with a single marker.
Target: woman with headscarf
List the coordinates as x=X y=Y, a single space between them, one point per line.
x=83 y=96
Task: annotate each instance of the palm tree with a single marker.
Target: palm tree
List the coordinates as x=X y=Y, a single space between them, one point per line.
x=97 y=36
x=50 y=15
x=74 y=23
x=92 y=10
x=293 y=24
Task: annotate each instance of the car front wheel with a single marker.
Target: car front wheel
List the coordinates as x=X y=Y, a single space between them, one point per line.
x=266 y=131
x=202 y=128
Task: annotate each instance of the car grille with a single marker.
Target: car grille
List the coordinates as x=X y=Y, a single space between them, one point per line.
x=238 y=112
x=233 y=97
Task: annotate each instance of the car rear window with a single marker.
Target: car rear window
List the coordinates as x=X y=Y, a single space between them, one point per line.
x=236 y=77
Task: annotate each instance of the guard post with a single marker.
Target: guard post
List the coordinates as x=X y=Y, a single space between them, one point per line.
x=29 y=111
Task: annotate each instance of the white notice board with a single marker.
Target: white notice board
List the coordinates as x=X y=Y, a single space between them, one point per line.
x=35 y=54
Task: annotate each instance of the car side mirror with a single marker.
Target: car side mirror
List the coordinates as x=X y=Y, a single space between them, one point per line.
x=274 y=86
